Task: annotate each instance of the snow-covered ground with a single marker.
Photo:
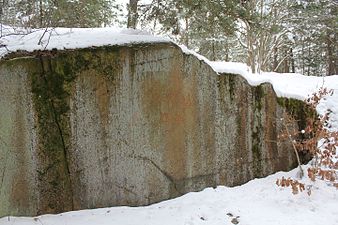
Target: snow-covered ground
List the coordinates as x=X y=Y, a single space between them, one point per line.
x=258 y=202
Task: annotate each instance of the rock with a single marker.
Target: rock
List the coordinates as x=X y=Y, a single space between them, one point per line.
x=128 y=125
x=235 y=221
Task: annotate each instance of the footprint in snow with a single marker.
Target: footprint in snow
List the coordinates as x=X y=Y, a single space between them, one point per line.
x=234 y=220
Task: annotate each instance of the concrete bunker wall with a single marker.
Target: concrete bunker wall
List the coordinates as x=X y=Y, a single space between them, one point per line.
x=128 y=125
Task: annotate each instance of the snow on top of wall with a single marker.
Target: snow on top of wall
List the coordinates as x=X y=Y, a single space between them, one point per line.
x=289 y=85
x=71 y=38
x=285 y=85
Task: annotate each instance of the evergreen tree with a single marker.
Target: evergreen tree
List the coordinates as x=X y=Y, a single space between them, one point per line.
x=200 y=25
x=276 y=35
x=60 y=13
x=314 y=26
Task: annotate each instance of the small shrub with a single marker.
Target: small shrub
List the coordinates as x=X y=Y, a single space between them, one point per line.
x=319 y=140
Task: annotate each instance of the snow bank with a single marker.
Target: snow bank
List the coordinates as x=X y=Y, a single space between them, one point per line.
x=259 y=202
x=72 y=38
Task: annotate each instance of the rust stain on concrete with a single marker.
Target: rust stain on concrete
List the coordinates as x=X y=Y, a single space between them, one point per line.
x=20 y=186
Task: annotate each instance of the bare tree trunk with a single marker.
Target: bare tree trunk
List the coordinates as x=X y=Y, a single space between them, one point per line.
x=286 y=62
x=251 y=59
x=303 y=58
x=132 y=14
x=251 y=53
x=186 y=38
x=309 y=56
x=41 y=13
x=251 y=50
x=332 y=60
x=292 y=60
x=301 y=171
x=227 y=52
x=213 y=50
x=2 y=4
x=261 y=49
x=275 y=59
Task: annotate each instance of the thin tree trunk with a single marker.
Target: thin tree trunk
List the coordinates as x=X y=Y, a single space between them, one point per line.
x=186 y=39
x=261 y=51
x=292 y=60
x=132 y=14
x=227 y=52
x=1 y=12
x=303 y=58
x=251 y=54
x=286 y=62
x=213 y=51
x=41 y=13
x=332 y=63
x=309 y=57
x=294 y=149
x=275 y=59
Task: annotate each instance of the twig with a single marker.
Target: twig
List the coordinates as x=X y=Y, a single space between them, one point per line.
x=40 y=40
x=294 y=148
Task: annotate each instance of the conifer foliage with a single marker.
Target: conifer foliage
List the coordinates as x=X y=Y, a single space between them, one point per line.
x=60 y=13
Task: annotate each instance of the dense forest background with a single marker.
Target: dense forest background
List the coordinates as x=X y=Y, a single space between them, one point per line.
x=269 y=35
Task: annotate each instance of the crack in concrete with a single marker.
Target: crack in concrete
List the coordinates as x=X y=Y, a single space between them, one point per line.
x=56 y=120
x=125 y=189
x=3 y=175
x=164 y=173
x=151 y=61
x=5 y=167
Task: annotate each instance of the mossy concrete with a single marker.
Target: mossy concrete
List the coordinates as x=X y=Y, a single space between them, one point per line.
x=128 y=125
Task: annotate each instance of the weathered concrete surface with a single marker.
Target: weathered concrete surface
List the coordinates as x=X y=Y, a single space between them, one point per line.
x=17 y=142
x=128 y=125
